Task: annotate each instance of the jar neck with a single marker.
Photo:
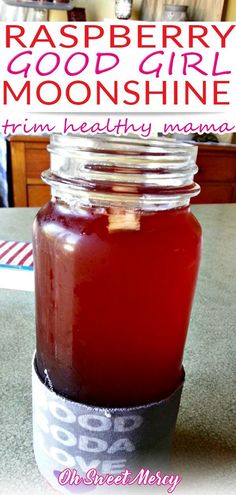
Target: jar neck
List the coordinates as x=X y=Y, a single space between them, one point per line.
x=128 y=173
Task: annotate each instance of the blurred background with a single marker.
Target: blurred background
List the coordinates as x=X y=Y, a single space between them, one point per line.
x=57 y=10
x=23 y=158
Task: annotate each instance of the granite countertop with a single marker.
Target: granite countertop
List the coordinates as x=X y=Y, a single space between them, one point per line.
x=205 y=438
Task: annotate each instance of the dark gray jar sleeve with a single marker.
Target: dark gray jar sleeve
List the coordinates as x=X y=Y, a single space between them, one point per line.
x=79 y=437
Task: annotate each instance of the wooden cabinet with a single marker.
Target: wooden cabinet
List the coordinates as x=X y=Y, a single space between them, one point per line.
x=29 y=157
x=217 y=173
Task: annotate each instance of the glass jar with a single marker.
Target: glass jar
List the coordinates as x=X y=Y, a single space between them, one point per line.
x=117 y=253
x=123 y=9
x=175 y=13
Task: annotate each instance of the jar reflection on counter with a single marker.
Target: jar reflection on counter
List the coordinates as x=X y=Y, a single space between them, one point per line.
x=116 y=258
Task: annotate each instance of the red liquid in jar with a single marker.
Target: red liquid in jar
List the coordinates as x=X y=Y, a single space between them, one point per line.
x=113 y=305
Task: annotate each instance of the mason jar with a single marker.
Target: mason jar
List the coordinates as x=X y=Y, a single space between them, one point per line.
x=175 y=13
x=117 y=252
x=123 y=9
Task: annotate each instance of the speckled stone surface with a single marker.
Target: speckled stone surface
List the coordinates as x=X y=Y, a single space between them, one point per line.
x=205 y=441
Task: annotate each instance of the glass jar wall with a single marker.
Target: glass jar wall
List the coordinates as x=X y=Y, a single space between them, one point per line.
x=117 y=253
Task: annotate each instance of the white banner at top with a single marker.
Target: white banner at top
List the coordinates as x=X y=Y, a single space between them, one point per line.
x=111 y=67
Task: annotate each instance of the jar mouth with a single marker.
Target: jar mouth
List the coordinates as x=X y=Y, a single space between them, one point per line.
x=105 y=166
x=164 y=148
